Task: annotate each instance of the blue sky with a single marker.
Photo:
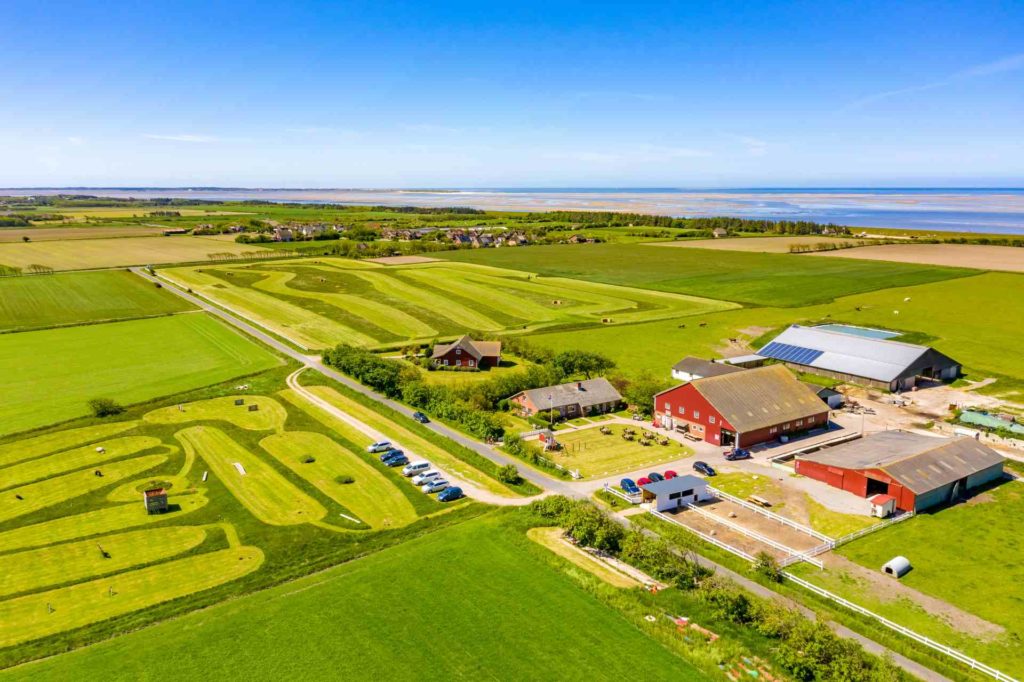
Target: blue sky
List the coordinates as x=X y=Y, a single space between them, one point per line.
x=419 y=94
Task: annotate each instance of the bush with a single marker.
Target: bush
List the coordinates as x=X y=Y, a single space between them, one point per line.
x=308 y=459
x=509 y=474
x=344 y=479
x=766 y=565
x=105 y=407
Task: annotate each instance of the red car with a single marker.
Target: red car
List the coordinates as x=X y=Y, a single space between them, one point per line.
x=670 y=475
x=643 y=480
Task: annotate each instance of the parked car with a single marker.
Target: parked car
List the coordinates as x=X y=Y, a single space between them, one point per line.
x=739 y=453
x=449 y=494
x=435 y=486
x=703 y=468
x=643 y=480
x=381 y=446
x=397 y=461
x=391 y=452
x=669 y=475
x=629 y=486
x=637 y=417
x=654 y=476
x=420 y=417
x=413 y=468
x=424 y=477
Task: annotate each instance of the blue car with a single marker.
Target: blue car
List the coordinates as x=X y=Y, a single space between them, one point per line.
x=449 y=494
x=703 y=468
x=420 y=417
x=393 y=452
x=629 y=486
x=399 y=461
x=739 y=453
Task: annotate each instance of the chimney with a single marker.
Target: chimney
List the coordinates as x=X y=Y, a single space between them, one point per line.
x=579 y=385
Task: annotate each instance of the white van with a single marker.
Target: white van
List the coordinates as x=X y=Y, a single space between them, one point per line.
x=380 y=446
x=424 y=477
x=413 y=468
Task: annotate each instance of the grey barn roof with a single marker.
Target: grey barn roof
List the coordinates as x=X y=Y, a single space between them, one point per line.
x=704 y=368
x=921 y=463
x=877 y=359
x=673 y=485
x=582 y=393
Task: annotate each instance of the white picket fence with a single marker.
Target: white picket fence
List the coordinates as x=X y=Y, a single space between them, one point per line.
x=619 y=493
x=767 y=514
x=707 y=538
x=871 y=529
x=788 y=551
x=907 y=632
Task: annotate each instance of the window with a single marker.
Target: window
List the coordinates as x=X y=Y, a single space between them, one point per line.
x=446 y=362
x=674 y=496
x=696 y=414
x=810 y=420
x=470 y=363
x=686 y=493
x=799 y=422
x=711 y=419
x=682 y=410
x=774 y=429
x=458 y=351
x=785 y=427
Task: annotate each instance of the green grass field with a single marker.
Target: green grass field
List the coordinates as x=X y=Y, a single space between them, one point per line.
x=269 y=415
x=371 y=497
x=38 y=569
x=88 y=456
x=27 y=448
x=261 y=489
x=597 y=455
x=320 y=303
x=74 y=298
x=48 y=376
x=753 y=278
x=500 y=595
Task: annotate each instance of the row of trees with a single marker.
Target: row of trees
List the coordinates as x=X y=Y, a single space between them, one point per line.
x=804 y=649
x=610 y=219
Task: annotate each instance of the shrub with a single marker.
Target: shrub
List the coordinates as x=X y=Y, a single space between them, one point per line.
x=344 y=479
x=509 y=474
x=105 y=407
x=766 y=565
x=308 y=459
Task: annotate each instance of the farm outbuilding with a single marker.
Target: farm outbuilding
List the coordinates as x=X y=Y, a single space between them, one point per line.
x=865 y=360
x=571 y=400
x=897 y=567
x=918 y=471
x=673 y=493
x=465 y=352
x=155 y=500
x=690 y=368
x=743 y=408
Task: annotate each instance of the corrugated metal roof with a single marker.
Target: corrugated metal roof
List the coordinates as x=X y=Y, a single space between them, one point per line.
x=761 y=397
x=583 y=393
x=921 y=463
x=704 y=368
x=860 y=356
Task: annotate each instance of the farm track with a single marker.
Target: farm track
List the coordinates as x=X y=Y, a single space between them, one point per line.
x=551 y=485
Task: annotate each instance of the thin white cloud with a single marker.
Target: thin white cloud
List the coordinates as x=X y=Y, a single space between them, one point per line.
x=184 y=137
x=321 y=130
x=76 y=140
x=755 y=146
x=429 y=128
x=1004 y=65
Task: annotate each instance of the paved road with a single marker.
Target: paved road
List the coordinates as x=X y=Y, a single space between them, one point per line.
x=541 y=480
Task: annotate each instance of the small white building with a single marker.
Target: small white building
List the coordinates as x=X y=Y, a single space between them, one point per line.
x=674 y=493
x=883 y=506
x=691 y=369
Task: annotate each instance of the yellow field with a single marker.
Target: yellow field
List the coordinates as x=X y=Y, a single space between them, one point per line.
x=372 y=497
x=760 y=244
x=46 y=234
x=551 y=538
x=83 y=254
x=30 y=617
x=263 y=491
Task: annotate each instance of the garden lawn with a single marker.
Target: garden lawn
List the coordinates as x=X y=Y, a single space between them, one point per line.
x=49 y=376
x=597 y=455
x=74 y=298
x=753 y=278
x=506 y=613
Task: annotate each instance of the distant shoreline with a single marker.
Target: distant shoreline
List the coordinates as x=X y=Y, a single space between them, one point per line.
x=974 y=210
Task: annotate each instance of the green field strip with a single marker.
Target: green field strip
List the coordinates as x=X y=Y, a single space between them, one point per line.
x=45 y=567
x=268 y=495
x=28 y=448
x=97 y=522
x=131 y=491
x=30 y=617
x=455 y=282
x=81 y=297
x=293 y=322
x=463 y=315
x=270 y=415
x=381 y=314
x=372 y=497
x=87 y=456
x=52 y=491
x=418 y=447
x=672 y=304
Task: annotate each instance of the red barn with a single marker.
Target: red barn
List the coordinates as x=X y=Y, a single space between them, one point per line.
x=465 y=352
x=743 y=408
x=919 y=471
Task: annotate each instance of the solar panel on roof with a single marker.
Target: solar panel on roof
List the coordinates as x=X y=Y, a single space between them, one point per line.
x=788 y=353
